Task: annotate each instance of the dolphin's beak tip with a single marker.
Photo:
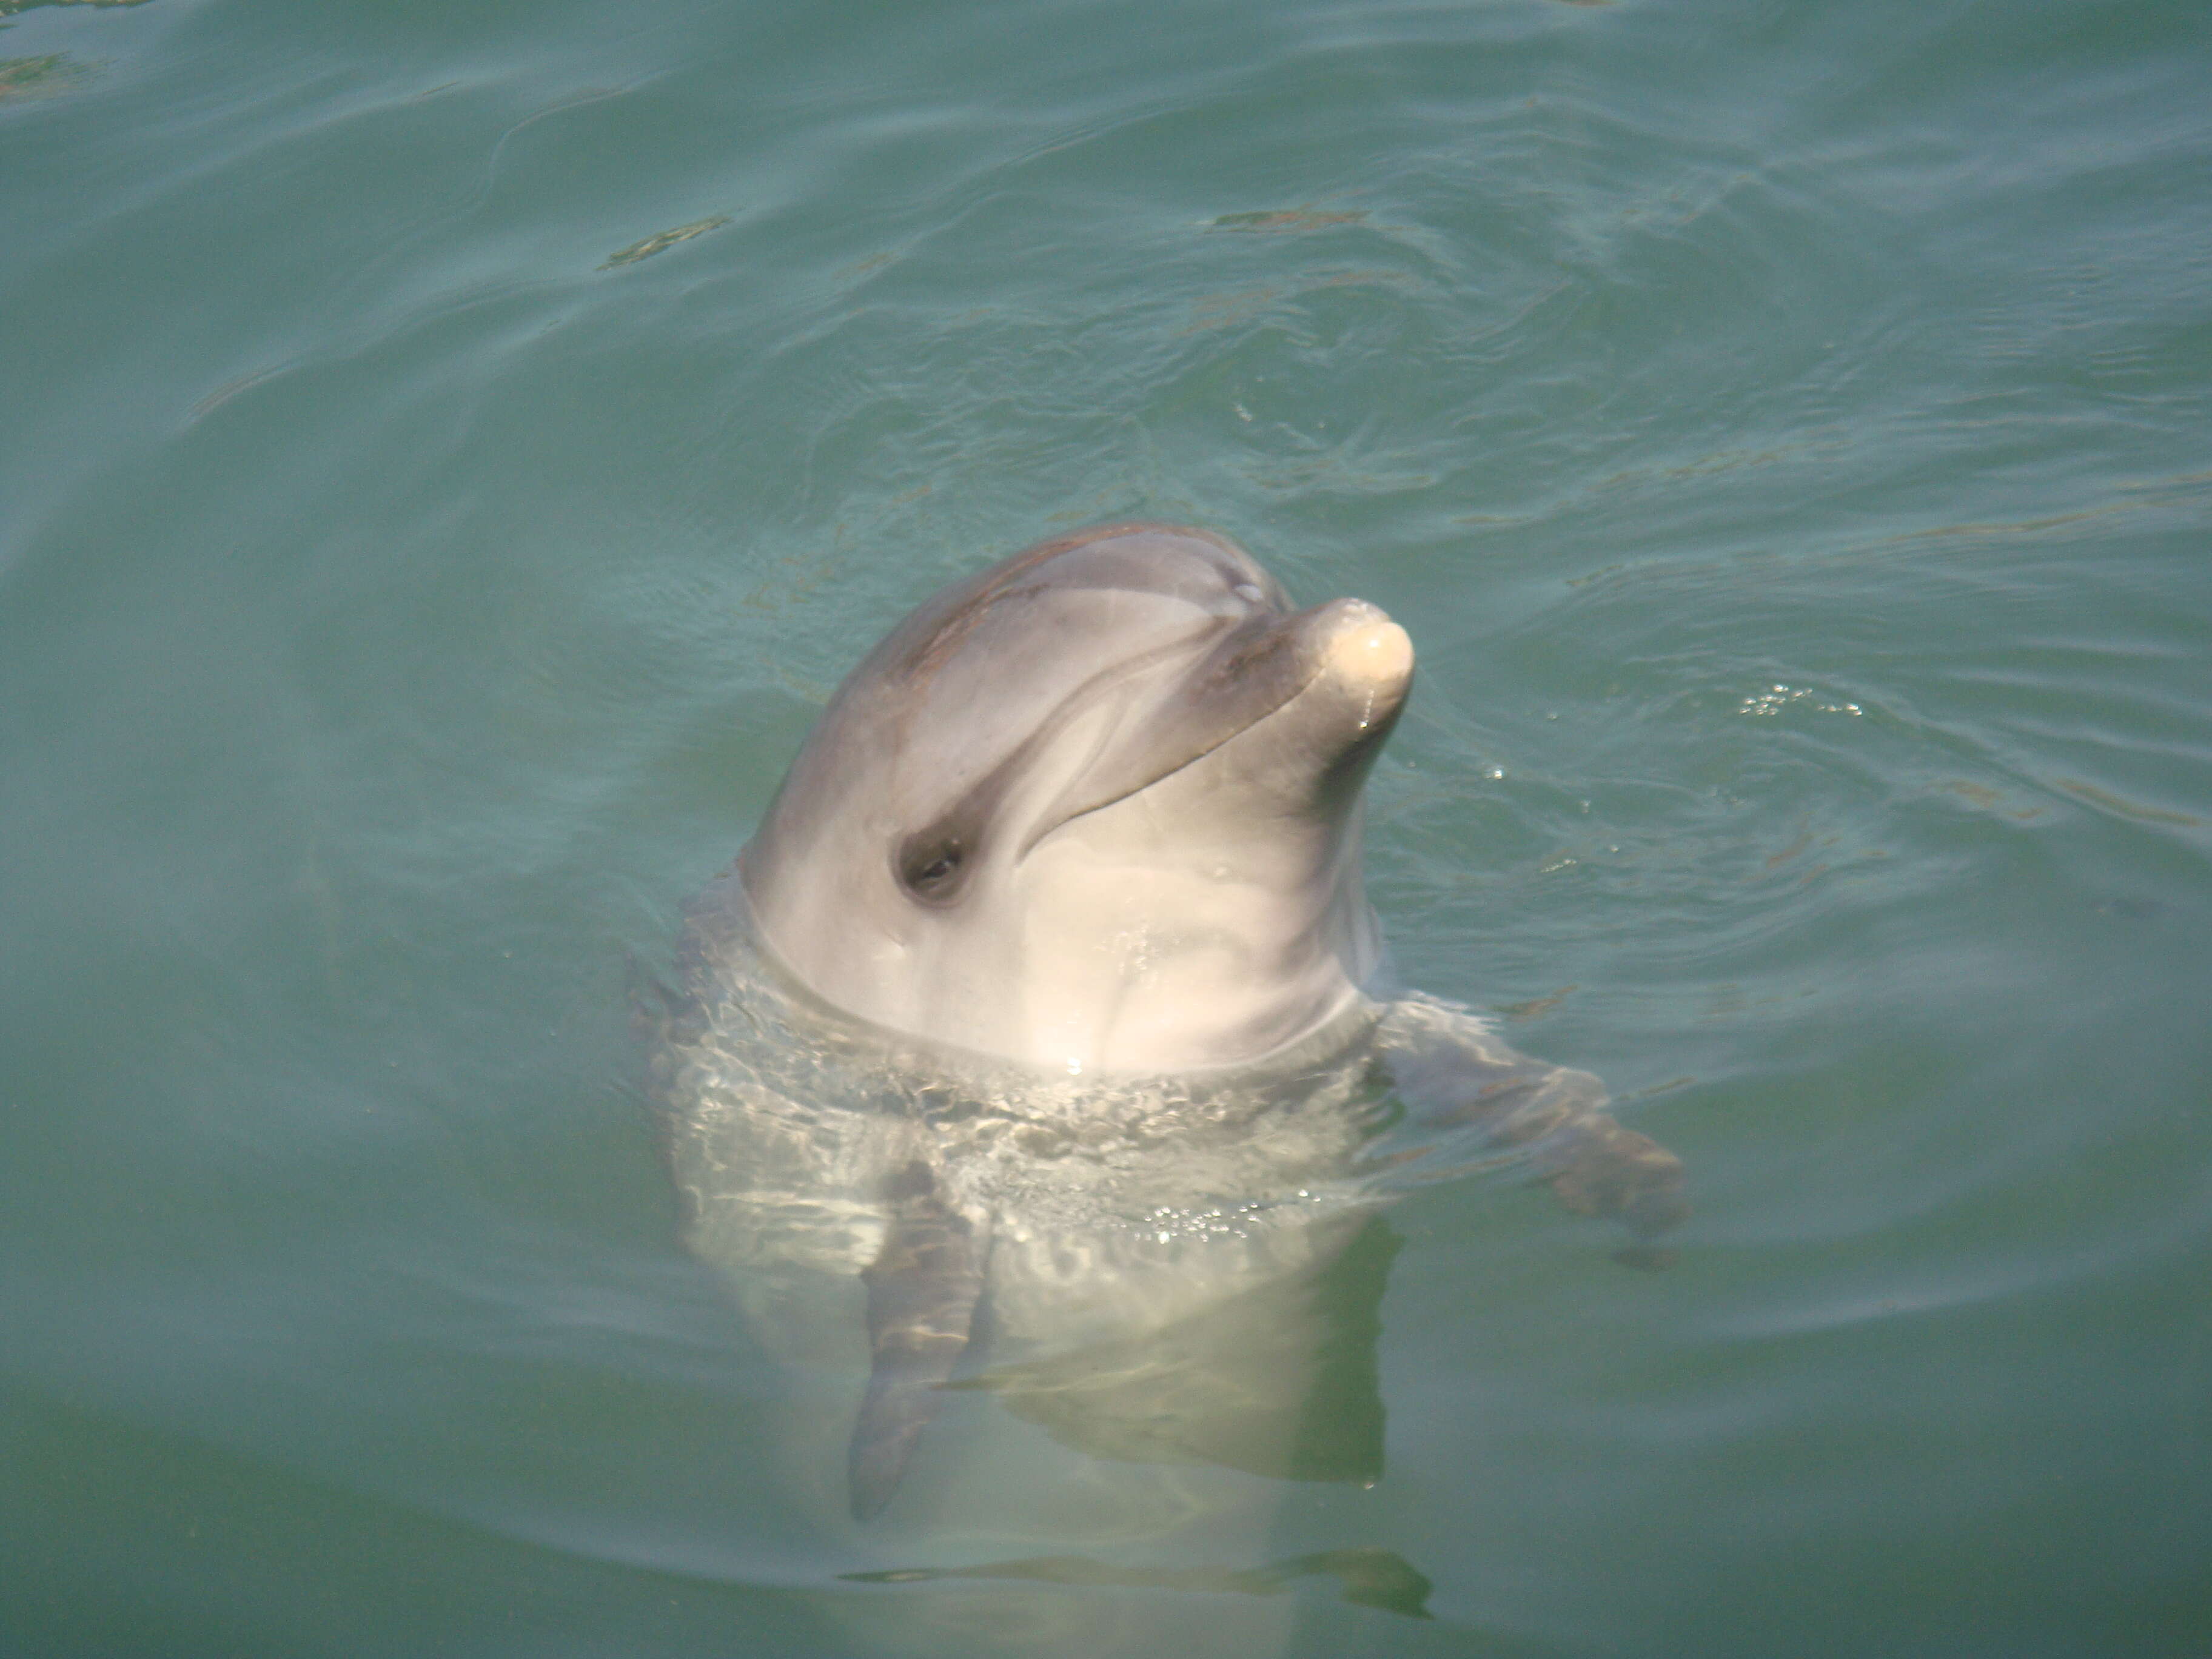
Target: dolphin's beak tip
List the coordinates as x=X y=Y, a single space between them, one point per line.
x=1369 y=651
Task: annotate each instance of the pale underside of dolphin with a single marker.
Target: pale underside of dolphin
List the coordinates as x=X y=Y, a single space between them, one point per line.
x=1061 y=900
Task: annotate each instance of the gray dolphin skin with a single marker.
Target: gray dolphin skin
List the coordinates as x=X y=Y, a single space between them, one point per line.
x=1042 y=1014
x=1096 y=809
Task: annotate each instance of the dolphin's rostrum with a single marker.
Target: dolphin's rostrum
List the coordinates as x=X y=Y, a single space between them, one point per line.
x=1049 y=988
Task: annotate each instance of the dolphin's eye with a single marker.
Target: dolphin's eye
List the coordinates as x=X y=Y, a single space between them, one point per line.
x=929 y=867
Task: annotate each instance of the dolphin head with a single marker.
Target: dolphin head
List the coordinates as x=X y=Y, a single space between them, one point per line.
x=1096 y=809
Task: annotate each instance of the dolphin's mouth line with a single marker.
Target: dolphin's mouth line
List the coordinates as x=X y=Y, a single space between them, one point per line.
x=956 y=831
x=1030 y=842
x=1246 y=672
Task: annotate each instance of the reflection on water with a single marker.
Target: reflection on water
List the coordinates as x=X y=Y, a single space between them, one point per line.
x=1278 y=1379
x=1177 y=1281
x=1368 y=1578
x=38 y=77
x=661 y=241
x=9 y=8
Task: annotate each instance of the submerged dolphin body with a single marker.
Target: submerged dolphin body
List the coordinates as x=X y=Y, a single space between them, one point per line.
x=1040 y=1006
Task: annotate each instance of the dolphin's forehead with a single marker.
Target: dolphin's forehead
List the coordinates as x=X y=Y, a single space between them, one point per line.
x=1174 y=561
x=1207 y=574
x=1035 y=640
x=1194 y=565
x=1030 y=681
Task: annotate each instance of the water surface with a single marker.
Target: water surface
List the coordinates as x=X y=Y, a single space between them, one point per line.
x=448 y=454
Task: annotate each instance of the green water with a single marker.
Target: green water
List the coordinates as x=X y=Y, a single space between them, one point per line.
x=447 y=454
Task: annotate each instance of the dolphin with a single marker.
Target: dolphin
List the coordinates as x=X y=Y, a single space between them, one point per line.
x=1047 y=1009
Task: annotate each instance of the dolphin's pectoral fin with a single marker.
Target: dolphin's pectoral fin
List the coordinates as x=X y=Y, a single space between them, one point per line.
x=923 y=1289
x=1447 y=1067
x=1607 y=1171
